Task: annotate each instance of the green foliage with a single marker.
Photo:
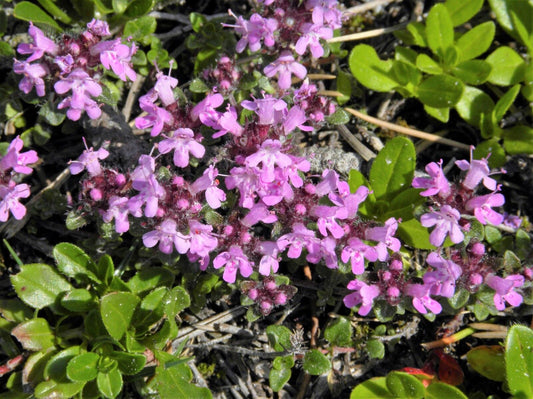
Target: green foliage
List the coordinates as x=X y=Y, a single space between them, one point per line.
x=519 y=361
x=316 y=363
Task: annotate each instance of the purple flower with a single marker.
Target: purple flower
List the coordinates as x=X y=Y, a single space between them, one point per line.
x=356 y=251
x=364 y=294
x=208 y=182
x=347 y=200
x=504 y=288
x=150 y=191
x=157 y=116
x=295 y=118
x=205 y=109
x=118 y=210
x=446 y=221
x=269 y=263
x=89 y=160
x=16 y=160
x=436 y=184
x=477 y=170
x=285 y=66
x=311 y=35
x=327 y=252
x=33 y=76
x=182 y=142
x=227 y=122
x=300 y=238
x=163 y=87
x=234 y=260
x=325 y=12
x=268 y=155
x=99 y=28
x=83 y=87
x=259 y=213
x=385 y=238
x=326 y=219
x=270 y=110
x=202 y=242
x=421 y=299
x=116 y=56
x=442 y=280
x=9 y=200
x=253 y=31
x=247 y=181
x=168 y=238
x=482 y=207
x=41 y=44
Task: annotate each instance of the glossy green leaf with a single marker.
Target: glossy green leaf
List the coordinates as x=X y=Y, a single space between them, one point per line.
x=375 y=349
x=39 y=285
x=316 y=363
x=149 y=278
x=393 y=168
x=344 y=86
x=418 y=33
x=73 y=262
x=472 y=104
x=34 y=334
x=52 y=116
x=507 y=66
x=339 y=332
x=279 y=337
x=117 y=311
x=414 y=234
x=519 y=361
x=54 y=389
x=518 y=140
x=474 y=72
x=55 y=11
x=441 y=114
x=476 y=41
x=459 y=298
x=167 y=332
x=440 y=91
x=440 y=390
x=138 y=8
x=439 y=30
x=502 y=10
x=522 y=18
x=151 y=309
x=105 y=269
x=370 y=70
x=141 y=29
x=198 y=86
x=488 y=360
x=403 y=205
x=428 y=65
x=110 y=383
x=15 y=310
x=78 y=300
x=505 y=102
x=34 y=366
x=462 y=11
x=281 y=372
x=497 y=158
x=83 y=367
x=177 y=301
x=403 y=385
x=374 y=388
x=129 y=363
x=30 y=12
x=57 y=365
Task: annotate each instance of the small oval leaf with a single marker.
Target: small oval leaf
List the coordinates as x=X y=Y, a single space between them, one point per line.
x=83 y=367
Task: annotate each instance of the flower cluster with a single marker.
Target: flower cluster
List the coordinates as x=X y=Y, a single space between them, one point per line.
x=74 y=66
x=13 y=164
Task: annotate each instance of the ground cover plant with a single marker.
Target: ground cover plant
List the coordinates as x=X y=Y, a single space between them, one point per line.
x=196 y=202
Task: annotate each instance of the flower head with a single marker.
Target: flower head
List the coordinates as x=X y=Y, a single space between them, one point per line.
x=16 y=160
x=477 y=170
x=41 y=44
x=89 y=160
x=364 y=294
x=285 y=66
x=436 y=184
x=33 y=76
x=83 y=87
x=446 y=221
x=182 y=142
x=504 y=288
x=482 y=207
x=234 y=260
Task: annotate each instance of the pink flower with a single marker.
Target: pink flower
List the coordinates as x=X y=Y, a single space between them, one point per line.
x=270 y=110
x=41 y=44
x=157 y=116
x=168 y=238
x=311 y=35
x=16 y=160
x=234 y=260
x=9 y=200
x=89 y=160
x=364 y=294
x=182 y=142
x=33 y=76
x=504 y=288
x=150 y=191
x=477 y=170
x=268 y=155
x=436 y=184
x=83 y=88
x=269 y=263
x=446 y=221
x=385 y=238
x=421 y=299
x=482 y=207
x=208 y=182
x=285 y=66
x=163 y=87
x=356 y=251
x=116 y=56
x=442 y=279
x=99 y=28
x=118 y=210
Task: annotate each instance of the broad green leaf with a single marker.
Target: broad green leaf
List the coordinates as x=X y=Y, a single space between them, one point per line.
x=51 y=115
x=167 y=332
x=339 y=117
x=344 y=86
x=370 y=70
x=34 y=366
x=403 y=385
x=472 y=104
x=339 y=332
x=518 y=140
x=439 y=30
x=440 y=390
x=406 y=74
x=178 y=300
x=34 y=334
x=374 y=388
x=83 y=367
x=441 y=114
x=39 y=285
x=279 y=337
x=428 y=65
x=110 y=383
x=151 y=308
x=474 y=72
x=406 y=55
x=418 y=33
x=129 y=363
x=393 y=168
x=519 y=361
x=30 y=12
x=149 y=278
x=440 y=91
x=117 y=311
x=105 y=269
x=488 y=360
x=375 y=349
x=497 y=158
x=503 y=9
x=403 y=205
x=505 y=102
x=137 y=8
x=459 y=298
x=15 y=310
x=507 y=66
x=119 y=6
x=56 y=367
x=198 y=86
x=461 y=11
x=140 y=29
x=281 y=372
x=522 y=17
x=56 y=12
x=414 y=234
x=54 y=389
x=476 y=41
x=73 y=262
x=316 y=363
x=78 y=300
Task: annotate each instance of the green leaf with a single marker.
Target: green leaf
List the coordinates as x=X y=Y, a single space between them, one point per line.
x=34 y=334
x=472 y=104
x=339 y=117
x=370 y=70
x=403 y=205
x=316 y=363
x=418 y=33
x=197 y=21
x=30 y=12
x=406 y=74
x=105 y=269
x=414 y=234
x=15 y=310
x=344 y=86
x=442 y=114
x=403 y=385
x=488 y=360
x=519 y=361
x=428 y=65
x=393 y=168
x=178 y=300
x=149 y=278
x=505 y=102
x=55 y=369
x=198 y=86
x=518 y=140
x=151 y=309
x=476 y=41
x=140 y=29
x=83 y=367
x=56 y=12
x=281 y=372
x=279 y=337
x=522 y=17
x=439 y=30
x=507 y=66
x=374 y=388
x=440 y=91
x=51 y=115
x=137 y=8
x=119 y=6
x=73 y=262
x=167 y=332
x=461 y=11
x=39 y=285
x=474 y=72
x=375 y=349
x=110 y=383
x=129 y=363
x=117 y=311
x=493 y=147
x=459 y=298
x=339 y=332
x=440 y=390
x=78 y=300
